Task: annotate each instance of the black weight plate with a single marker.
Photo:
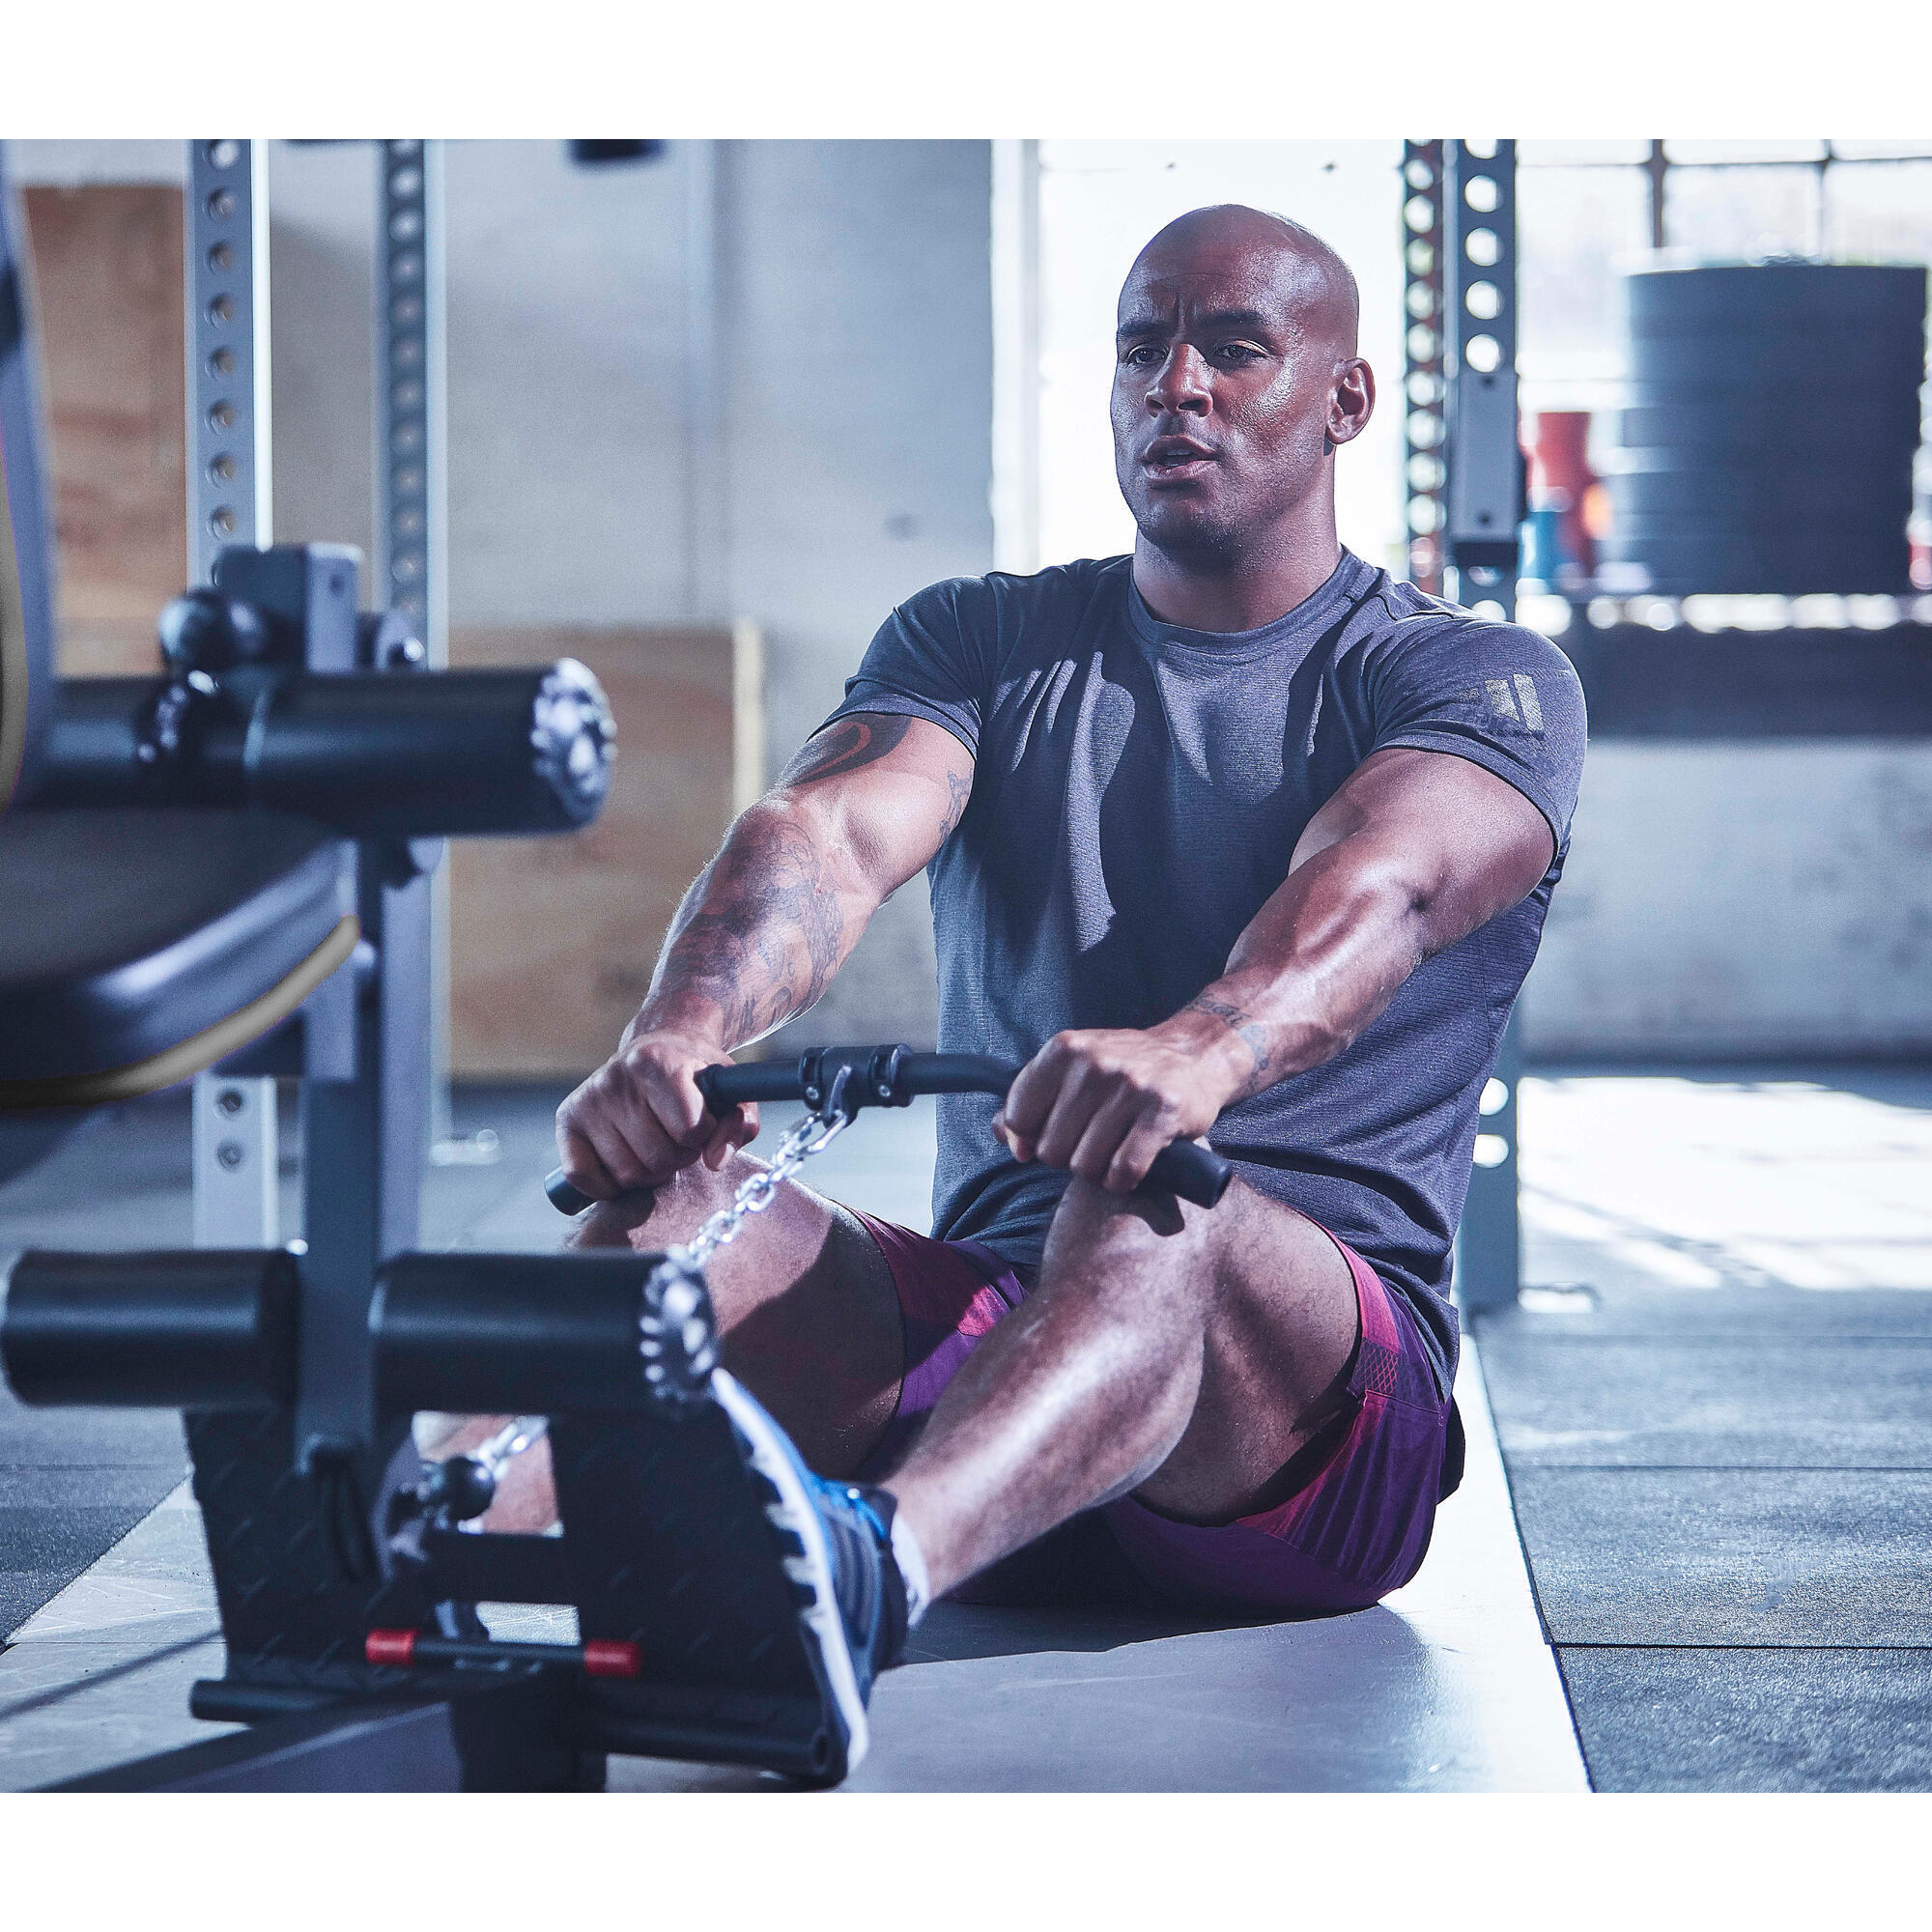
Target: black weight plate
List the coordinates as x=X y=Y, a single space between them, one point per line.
x=1773 y=536
x=1780 y=494
x=1683 y=565
x=1699 y=430
x=1895 y=363
x=1664 y=299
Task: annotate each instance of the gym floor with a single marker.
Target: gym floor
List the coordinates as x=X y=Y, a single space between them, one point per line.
x=1710 y=1407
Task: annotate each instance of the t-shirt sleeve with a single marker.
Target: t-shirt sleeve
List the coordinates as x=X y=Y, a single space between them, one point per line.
x=1501 y=696
x=931 y=660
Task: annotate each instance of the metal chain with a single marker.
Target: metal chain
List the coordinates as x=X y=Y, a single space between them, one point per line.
x=519 y=1432
x=811 y=1135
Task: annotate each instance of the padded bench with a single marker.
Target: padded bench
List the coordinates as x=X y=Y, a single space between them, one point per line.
x=157 y=943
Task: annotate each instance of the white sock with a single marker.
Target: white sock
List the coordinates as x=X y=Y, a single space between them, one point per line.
x=911 y=1559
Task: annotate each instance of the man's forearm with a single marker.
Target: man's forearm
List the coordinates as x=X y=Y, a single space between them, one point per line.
x=1419 y=850
x=1319 y=962
x=760 y=934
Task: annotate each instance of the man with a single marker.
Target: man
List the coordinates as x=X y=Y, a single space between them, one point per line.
x=1234 y=837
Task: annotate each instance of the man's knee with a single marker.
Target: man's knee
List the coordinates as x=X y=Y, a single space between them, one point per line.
x=1091 y=1220
x=658 y=1218
x=1094 y=1231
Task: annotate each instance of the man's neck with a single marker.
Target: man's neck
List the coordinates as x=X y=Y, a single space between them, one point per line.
x=1234 y=594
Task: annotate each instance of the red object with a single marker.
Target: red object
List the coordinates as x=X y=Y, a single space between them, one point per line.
x=1561 y=479
x=611 y=1657
x=391 y=1646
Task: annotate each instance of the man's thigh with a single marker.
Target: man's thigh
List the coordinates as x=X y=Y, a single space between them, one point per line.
x=1282 y=1324
x=804 y=1301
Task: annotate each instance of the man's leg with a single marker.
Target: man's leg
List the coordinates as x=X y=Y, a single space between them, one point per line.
x=805 y=1305
x=1175 y=1353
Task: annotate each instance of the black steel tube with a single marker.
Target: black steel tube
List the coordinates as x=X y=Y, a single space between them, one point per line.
x=378 y=754
x=204 y=1330
x=509 y=1334
x=1184 y=1168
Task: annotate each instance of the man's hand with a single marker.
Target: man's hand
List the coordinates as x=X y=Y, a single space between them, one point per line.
x=639 y=1119
x=1105 y=1102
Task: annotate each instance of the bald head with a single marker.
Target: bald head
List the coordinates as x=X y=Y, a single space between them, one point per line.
x=1235 y=380
x=1316 y=285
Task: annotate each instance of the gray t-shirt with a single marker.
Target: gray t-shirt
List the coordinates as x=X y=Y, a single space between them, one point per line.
x=1137 y=795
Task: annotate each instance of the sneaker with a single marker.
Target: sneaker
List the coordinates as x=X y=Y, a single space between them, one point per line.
x=837 y=1543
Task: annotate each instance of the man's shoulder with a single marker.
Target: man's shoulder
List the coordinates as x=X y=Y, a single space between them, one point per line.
x=1002 y=599
x=1402 y=618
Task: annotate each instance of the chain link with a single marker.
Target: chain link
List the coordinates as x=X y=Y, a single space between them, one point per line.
x=811 y=1135
x=519 y=1432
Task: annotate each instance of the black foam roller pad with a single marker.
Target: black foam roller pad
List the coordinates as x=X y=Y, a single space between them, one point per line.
x=374 y=753
x=510 y=1334
x=202 y=1328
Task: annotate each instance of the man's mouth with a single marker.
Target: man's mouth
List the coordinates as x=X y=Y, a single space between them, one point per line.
x=1176 y=459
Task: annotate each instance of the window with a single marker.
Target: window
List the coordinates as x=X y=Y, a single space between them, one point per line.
x=1099 y=202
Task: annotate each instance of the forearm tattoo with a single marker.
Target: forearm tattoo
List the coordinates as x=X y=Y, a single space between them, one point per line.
x=1248 y=1031
x=759 y=934
x=763 y=930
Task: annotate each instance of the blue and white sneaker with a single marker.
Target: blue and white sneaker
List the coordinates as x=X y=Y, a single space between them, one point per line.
x=837 y=1544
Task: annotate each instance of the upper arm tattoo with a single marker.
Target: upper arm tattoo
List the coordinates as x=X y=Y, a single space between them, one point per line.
x=847 y=744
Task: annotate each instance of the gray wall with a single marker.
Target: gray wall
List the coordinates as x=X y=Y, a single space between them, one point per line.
x=854 y=293
x=1742 y=901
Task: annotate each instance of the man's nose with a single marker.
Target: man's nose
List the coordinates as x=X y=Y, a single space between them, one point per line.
x=1180 y=384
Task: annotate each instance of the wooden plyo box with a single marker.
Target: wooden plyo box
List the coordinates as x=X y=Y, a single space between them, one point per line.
x=107 y=278
x=552 y=941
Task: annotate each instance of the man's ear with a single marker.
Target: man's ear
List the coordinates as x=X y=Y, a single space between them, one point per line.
x=1352 y=401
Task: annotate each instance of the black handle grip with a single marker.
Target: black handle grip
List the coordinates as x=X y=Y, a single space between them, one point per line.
x=1185 y=1168
x=563 y=1197
x=1195 y=1172
x=728 y=1085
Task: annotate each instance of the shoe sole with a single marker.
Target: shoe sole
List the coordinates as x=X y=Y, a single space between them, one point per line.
x=791 y=1511
x=679 y=1346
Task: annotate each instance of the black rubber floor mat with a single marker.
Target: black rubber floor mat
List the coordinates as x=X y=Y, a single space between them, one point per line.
x=73 y=1483
x=1771 y=1402
x=1754 y=1719
x=1730 y=1556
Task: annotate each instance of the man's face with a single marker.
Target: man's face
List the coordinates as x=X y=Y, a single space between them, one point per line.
x=1224 y=379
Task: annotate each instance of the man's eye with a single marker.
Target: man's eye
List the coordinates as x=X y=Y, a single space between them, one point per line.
x=1140 y=354
x=1238 y=351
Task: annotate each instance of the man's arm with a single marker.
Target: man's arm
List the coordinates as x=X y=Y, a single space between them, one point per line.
x=1415 y=852
x=758 y=936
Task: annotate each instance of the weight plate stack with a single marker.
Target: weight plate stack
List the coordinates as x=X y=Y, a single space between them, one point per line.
x=1769 y=431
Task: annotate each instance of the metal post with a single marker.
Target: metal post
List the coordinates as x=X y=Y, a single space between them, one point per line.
x=412 y=503
x=230 y=500
x=1485 y=482
x=1016 y=336
x=1424 y=389
x=409 y=392
x=363 y=1142
x=1484 y=507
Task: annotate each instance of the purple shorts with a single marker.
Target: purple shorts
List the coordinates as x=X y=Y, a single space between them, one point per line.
x=1355 y=1527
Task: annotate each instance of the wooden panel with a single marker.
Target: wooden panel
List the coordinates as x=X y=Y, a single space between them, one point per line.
x=553 y=940
x=107 y=272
